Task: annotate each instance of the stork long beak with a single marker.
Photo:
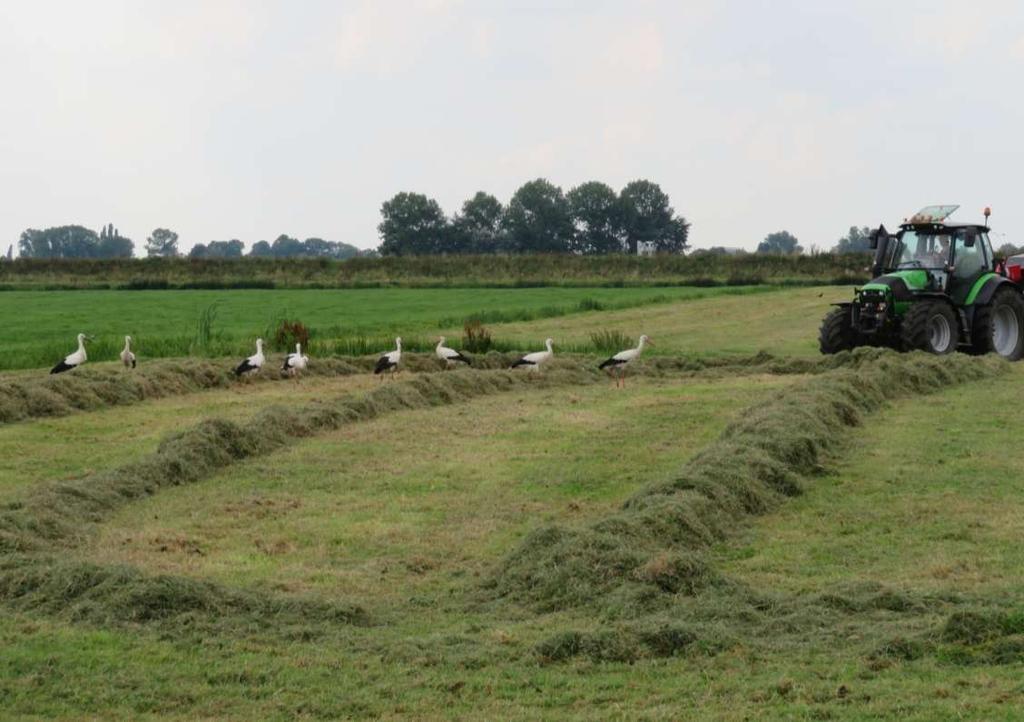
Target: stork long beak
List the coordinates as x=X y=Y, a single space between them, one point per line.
x=90 y=338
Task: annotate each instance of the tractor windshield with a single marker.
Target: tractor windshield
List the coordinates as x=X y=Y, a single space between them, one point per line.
x=920 y=249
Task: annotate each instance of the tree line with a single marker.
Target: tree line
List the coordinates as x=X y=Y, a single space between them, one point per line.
x=591 y=219
x=283 y=246
x=76 y=241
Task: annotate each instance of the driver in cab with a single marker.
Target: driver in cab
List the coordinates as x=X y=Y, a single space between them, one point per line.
x=939 y=255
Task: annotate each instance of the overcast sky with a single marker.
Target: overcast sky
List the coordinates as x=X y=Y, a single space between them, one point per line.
x=228 y=119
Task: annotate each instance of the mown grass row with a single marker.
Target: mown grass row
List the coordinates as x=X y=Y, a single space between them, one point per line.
x=520 y=271
x=635 y=564
x=92 y=388
x=641 y=573
x=59 y=514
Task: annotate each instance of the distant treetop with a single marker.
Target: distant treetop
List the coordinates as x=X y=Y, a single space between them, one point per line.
x=590 y=219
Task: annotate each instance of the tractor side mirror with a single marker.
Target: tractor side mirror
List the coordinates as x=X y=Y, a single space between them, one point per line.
x=880 y=232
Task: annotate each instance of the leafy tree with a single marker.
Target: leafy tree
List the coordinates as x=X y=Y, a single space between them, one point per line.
x=596 y=215
x=319 y=248
x=857 y=240
x=412 y=224
x=59 y=242
x=261 y=249
x=217 y=249
x=779 y=242
x=1007 y=249
x=284 y=246
x=718 y=251
x=477 y=229
x=162 y=242
x=113 y=245
x=116 y=246
x=647 y=217
x=537 y=219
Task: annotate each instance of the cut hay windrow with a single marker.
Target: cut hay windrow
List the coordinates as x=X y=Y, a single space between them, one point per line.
x=99 y=387
x=556 y=566
x=757 y=462
x=90 y=389
x=61 y=512
x=104 y=595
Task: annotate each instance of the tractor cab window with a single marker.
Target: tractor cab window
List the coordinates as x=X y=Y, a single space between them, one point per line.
x=920 y=250
x=969 y=257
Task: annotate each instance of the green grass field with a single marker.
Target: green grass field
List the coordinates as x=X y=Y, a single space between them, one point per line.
x=764 y=540
x=40 y=326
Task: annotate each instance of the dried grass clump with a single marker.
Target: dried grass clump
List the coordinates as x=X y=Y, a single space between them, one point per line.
x=105 y=595
x=627 y=644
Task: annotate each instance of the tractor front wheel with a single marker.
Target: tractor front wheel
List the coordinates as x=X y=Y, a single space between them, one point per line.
x=999 y=325
x=837 y=332
x=930 y=326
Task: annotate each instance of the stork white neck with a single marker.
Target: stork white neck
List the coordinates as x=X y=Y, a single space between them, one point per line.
x=127 y=343
x=548 y=344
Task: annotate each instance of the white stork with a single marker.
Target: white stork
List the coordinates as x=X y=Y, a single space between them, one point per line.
x=294 y=363
x=534 y=360
x=389 y=361
x=252 y=364
x=450 y=355
x=622 y=359
x=127 y=357
x=73 y=359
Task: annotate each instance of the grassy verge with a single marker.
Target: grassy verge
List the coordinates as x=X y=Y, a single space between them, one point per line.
x=784 y=323
x=40 y=327
x=426 y=272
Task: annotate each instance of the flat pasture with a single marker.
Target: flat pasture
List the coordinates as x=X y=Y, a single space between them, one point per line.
x=40 y=326
x=730 y=537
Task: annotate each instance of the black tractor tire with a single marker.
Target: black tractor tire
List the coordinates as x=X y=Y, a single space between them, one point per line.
x=930 y=326
x=999 y=325
x=837 y=332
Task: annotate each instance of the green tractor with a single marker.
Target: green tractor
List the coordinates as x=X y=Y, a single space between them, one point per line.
x=937 y=287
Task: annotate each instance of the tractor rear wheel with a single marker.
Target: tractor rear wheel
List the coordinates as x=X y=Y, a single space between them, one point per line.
x=837 y=332
x=999 y=325
x=930 y=326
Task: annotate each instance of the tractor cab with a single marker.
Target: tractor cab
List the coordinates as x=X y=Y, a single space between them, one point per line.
x=935 y=287
x=935 y=257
